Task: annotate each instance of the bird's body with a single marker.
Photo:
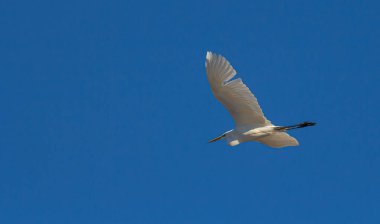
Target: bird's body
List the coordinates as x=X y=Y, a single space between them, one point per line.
x=251 y=124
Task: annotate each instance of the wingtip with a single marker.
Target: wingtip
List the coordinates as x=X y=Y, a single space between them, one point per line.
x=208 y=55
x=208 y=58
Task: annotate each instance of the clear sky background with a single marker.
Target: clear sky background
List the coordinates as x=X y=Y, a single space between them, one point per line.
x=106 y=112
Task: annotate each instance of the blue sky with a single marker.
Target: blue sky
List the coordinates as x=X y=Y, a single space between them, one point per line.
x=106 y=111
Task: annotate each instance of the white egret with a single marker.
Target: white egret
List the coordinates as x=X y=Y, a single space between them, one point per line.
x=251 y=124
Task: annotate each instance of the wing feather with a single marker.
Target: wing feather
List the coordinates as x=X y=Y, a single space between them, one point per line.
x=278 y=140
x=233 y=94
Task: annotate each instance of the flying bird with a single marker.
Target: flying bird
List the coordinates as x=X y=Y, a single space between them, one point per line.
x=250 y=122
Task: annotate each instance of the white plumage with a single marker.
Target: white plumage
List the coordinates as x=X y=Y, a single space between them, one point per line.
x=251 y=124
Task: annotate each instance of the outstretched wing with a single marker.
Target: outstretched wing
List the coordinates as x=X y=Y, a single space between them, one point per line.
x=278 y=140
x=233 y=94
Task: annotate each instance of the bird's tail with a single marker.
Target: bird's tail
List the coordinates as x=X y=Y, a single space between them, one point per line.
x=300 y=125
